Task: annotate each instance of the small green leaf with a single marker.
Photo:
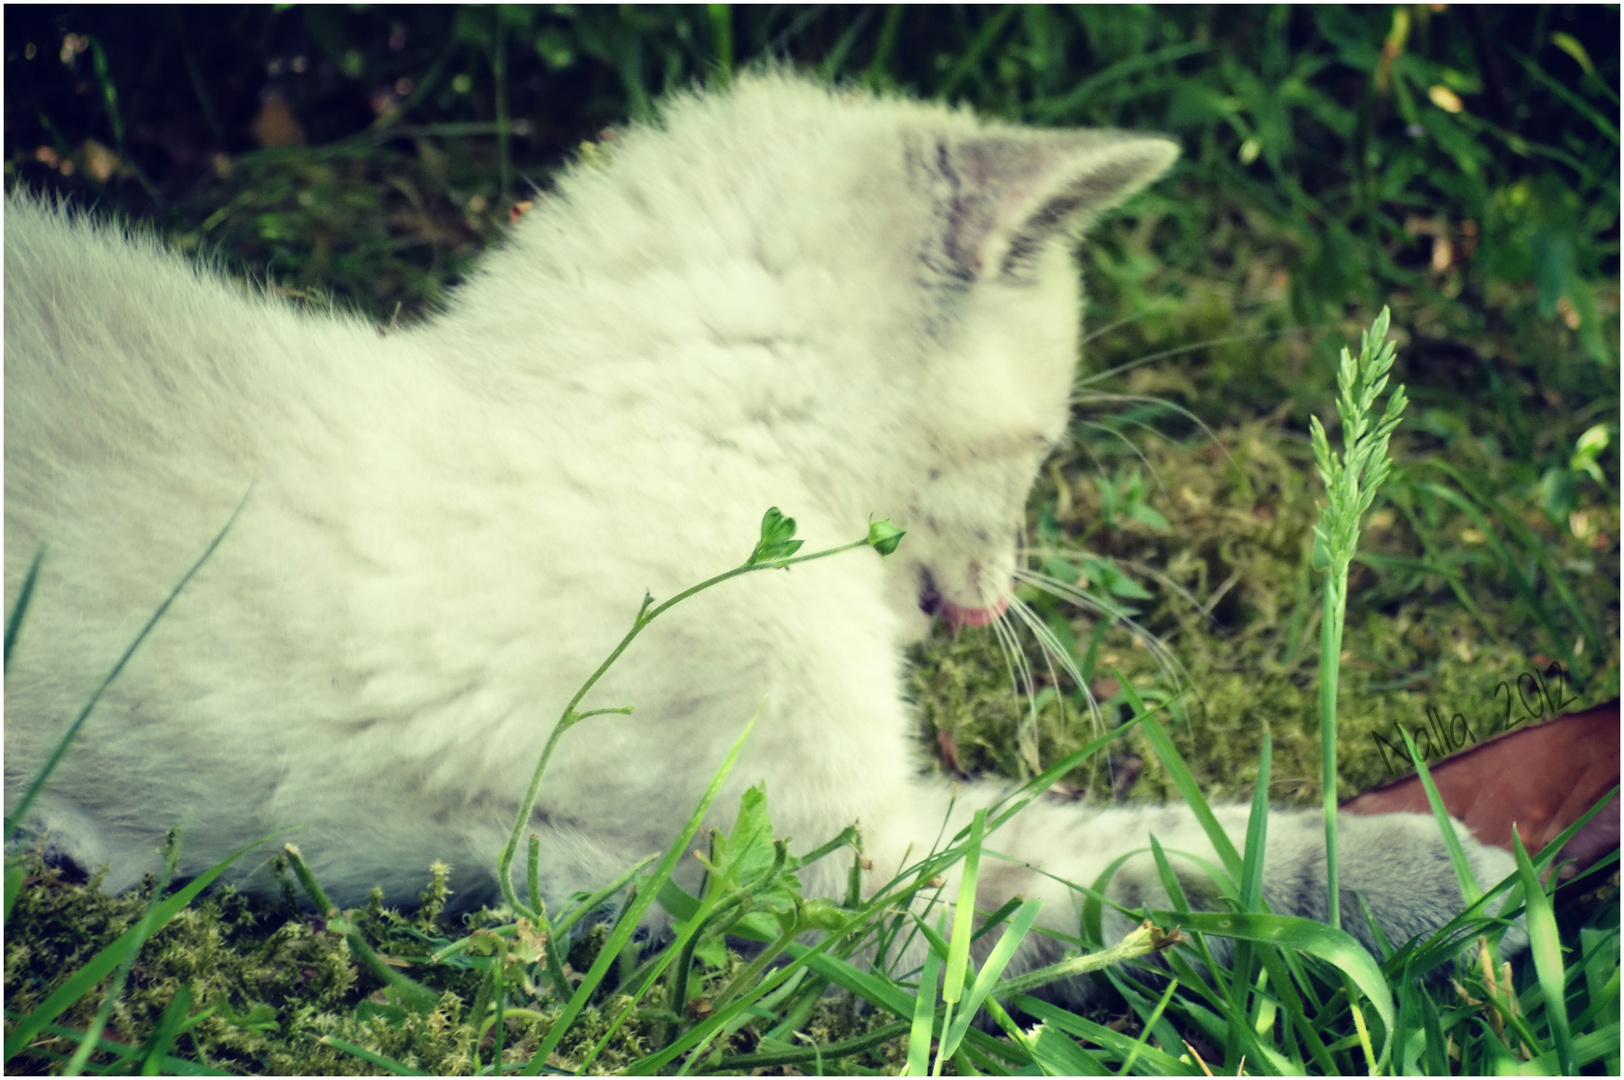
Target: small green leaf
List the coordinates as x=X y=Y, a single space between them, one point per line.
x=1585 y=452
x=713 y=951
x=822 y=915
x=1061 y=570
x=1593 y=442
x=1559 y=493
x=1115 y=581
x=1148 y=514
x=776 y=543
x=884 y=536
x=392 y=1015
x=1570 y=45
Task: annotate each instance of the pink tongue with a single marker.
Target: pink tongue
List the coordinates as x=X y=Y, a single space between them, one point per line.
x=972 y=616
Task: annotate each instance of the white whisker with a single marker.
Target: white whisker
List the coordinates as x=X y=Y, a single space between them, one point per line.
x=1179 y=350
x=1164 y=581
x=1022 y=666
x=1089 y=397
x=1053 y=650
x=1021 y=613
x=1047 y=641
x=1026 y=730
x=1165 y=660
x=1129 y=443
x=1110 y=326
x=1010 y=653
x=1098 y=605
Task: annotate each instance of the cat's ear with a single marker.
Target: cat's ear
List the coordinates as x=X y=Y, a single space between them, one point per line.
x=1003 y=196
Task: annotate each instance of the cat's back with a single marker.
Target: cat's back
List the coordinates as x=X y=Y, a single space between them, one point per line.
x=135 y=380
x=115 y=344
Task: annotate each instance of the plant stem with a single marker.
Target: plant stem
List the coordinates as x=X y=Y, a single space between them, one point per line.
x=1336 y=598
x=1351 y=483
x=569 y=718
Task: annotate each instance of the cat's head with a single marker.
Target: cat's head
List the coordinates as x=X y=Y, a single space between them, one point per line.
x=1004 y=208
x=877 y=294
x=975 y=225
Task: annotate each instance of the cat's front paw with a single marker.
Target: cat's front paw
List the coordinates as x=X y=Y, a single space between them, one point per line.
x=1400 y=865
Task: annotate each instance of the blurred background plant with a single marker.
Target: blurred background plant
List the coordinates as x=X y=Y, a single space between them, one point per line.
x=1445 y=150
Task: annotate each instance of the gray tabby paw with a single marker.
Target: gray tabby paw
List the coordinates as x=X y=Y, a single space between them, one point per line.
x=1400 y=864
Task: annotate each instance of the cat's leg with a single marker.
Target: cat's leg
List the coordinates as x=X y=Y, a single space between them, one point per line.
x=1398 y=862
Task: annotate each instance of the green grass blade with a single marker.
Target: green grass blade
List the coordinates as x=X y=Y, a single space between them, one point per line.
x=827 y=1051
x=1573 y=100
x=592 y=902
x=972 y=53
x=991 y=922
x=1181 y=905
x=704 y=1032
x=1591 y=1047
x=1067 y=104
x=987 y=978
x=1525 y=588
x=144 y=929
x=1335 y=947
x=878 y=992
x=924 y=1018
x=1057 y=1055
x=1114 y=1042
x=1095 y=899
x=1546 y=948
x=392 y=1066
x=964 y=912
x=19 y=813
x=1142 y=1043
x=1257 y=824
x=1599 y=951
x=1183 y=780
x=1038 y=785
x=1282 y=978
x=1251 y=885
x=169 y=1025
x=14 y=883
x=834 y=62
x=1537 y=548
x=171 y=1066
x=1457 y=855
x=883 y=47
x=14 y=620
x=410 y=992
x=627 y=924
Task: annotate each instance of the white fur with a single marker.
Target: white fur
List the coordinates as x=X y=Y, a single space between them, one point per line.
x=782 y=296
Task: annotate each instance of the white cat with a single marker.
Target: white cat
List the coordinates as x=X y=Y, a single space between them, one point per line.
x=780 y=295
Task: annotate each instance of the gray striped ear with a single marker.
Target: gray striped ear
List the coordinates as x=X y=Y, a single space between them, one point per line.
x=1002 y=196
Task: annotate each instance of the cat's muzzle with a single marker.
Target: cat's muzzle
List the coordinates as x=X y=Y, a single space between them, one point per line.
x=932 y=603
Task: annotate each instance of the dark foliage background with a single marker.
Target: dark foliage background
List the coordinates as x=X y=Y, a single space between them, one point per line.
x=1364 y=133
